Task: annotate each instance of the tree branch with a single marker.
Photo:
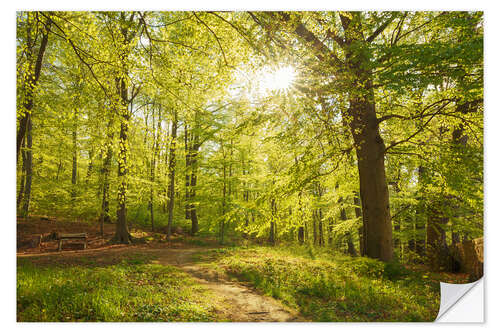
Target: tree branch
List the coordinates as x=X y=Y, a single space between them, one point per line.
x=381 y=28
x=419 y=130
x=216 y=38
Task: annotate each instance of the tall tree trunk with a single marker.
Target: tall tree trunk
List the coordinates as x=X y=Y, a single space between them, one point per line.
x=224 y=189
x=272 y=226
x=105 y=172
x=23 y=176
x=361 y=230
x=351 y=250
x=350 y=245
x=420 y=218
x=187 y=151
x=230 y=183
x=245 y=196
x=397 y=222
x=156 y=131
x=168 y=145
x=459 y=141
x=306 y=231
x=59 y=169
x=437 y=249
x=320 y=227
x=192 y=144
x=122 y=234
x=29 y=168
x=90 y=166
x=194 y=177
x=373 y=185
x=171 y=175
x=301 y=235
x=30 y=82
x=370 y=148
x=74 y=169
x=315 y=235
x=364 y=126
x=302 y=231
x=330 y=231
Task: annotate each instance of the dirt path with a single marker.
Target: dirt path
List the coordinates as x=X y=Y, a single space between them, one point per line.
x=240 y=303
x=244 y=303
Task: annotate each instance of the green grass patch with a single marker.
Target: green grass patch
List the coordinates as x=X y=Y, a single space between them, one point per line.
x=128 y=291
x=330 y=287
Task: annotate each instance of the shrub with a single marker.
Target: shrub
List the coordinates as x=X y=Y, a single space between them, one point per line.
x=393 y=270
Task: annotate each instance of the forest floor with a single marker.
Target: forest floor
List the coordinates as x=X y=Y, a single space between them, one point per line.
x=234 y=301
x=193 y=279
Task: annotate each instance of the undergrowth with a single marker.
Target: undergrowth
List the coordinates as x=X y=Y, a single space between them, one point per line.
x=129 y=291
x=333 y=287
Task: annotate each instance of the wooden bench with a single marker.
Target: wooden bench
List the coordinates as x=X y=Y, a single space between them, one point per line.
x=81 y=236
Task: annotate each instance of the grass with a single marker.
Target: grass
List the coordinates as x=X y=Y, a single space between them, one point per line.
x=132 y=290
x=327 y=287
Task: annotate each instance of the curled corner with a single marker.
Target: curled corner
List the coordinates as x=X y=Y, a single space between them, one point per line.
x=451 y=294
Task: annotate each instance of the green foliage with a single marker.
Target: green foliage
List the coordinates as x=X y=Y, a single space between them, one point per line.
x=246 y=155
x=393 y=270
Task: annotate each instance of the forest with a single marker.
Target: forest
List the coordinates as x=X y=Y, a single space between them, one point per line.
x=321 y=166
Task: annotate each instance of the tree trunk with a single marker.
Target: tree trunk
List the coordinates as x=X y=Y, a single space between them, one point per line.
x=29 y=168
x=330 y=231
x=245 y=197
x=437 y=249
x=397 y=222
x=370 y=148
x=31 y=81
x=350 y=245
x=156 y=131
x=105 y=171
x=306 y=231
x=361 y=230
x=122 y=234
x=315 y=235
x=23 y=176
x=171 y=176
x=192 y=195
x=74 y=169
x=373 y=185
x=320 y=227
x=301 y=235
x=168 y=144
x=193 y=163
x=459 y=141
x=187 y=151
x=221 y=228
x=420 y=219
x=272 y=226
x=90 y=166
x=230 y=183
